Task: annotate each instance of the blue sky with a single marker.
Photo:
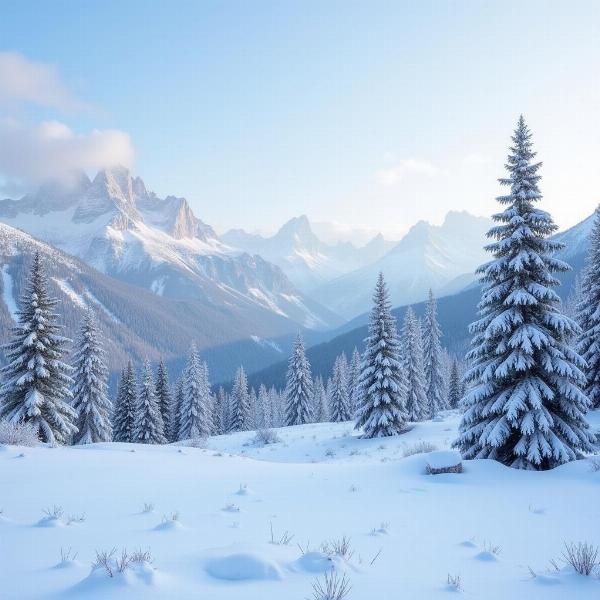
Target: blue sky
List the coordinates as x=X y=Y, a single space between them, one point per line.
x=373 y=114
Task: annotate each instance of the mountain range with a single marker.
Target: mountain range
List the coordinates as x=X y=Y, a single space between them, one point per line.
x=114 y=224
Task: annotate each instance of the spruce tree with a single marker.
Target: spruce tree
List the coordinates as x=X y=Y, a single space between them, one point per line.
x=217 y=413
x=90 y=399
x=588 y=315
x=162 y=391
x=240 y=402
x=432 y=349
x=382 y=410
x=178 y=395
x=339 y=400
x=454 y=386
x=276 y=404
x=35 y=381
x=320 y=402
x=299 y=387
x=414 y=367
x=195 y=410
x=125 y=410
x=148 y=425
x=353 y=381
x=525 y=406
x=225 y=412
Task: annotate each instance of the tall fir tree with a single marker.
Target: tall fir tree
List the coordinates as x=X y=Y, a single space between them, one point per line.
x=525 y=406
x=178 y=395
x=432 y=349
x=125 y=409
x=195 y=411
x=454 y=386
x=225 y=409
x=276 y=403
x=588 y=315
x=90 y=392
x=35 y=381
x=339 y=400
x=382 y=408
x=217 y=413
x=353 y=381
x=414 y=367
x=299 y=387
x=162 y=390
x=148 y=425
x=240 y=402
x=320 y=402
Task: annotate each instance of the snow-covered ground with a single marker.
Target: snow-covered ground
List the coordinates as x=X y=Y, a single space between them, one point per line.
x=489 y=525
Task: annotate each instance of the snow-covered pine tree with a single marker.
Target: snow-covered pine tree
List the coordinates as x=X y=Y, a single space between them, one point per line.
x=148 y=426
x=125 y=409
x=178 y=395
x=195 y=410
x=217 y=413
x=320 y=404
x=432 y=350
x=525 y=407
x=35 y=381
x=276 y=403
x=253 y=413
x=240 y=402
x=262 y=408
x=382 y=410
x=163 y=397
x=588 y=315
x=454 y=386
x=339 y=401
x=353 y=381
x=414 y=367
x=299 y=387
x=90 y=392
x=223 y=401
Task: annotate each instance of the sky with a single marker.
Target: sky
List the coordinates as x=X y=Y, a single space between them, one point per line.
x=370 y=114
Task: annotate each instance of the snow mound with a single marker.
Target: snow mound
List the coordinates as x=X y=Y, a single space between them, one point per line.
x=50 y=522
x=486 y=556
x=168 y=525
x=244 y=566
x=444 y=462
x=100 y=582
x=314 y=562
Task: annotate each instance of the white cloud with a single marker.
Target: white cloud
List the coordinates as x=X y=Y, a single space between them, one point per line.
x=22 y=80
x=396 y=173
x=475 y=160
x=30 y=154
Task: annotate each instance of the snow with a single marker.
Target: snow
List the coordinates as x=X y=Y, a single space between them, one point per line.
x=443 y=459
x=478 y=524
x=70 y=292
x=8 y=292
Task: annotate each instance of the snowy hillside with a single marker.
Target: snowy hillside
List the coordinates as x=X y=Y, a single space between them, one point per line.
x=427 y=257
x=304 y=257
x=120 y=228
x=138 y=324
x=239 y=521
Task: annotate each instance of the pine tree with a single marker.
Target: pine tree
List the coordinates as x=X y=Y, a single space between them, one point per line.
x=276 y=403
x=339 y=401
x=36 y=383
x=525 y=407
x=195 y=411
x=148 y=425
x=253 y=416
x=353 y=381
x=217 y=413
x=382 y=410
x=178 y=395
x=320 y=403
x=299 y=387
x=263 y=417
x=162 y=391
x=90 y=399
x=414 y=366
x=240 y=402
x=125 y=410
x=454 y=387
x=588 y=315
x=225 y=409
x=432 y=349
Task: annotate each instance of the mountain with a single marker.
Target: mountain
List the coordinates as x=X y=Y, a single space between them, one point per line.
x=303 y=257
x=428 y=256
x=120 y=228
x=137 y=323
x=455 y=313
